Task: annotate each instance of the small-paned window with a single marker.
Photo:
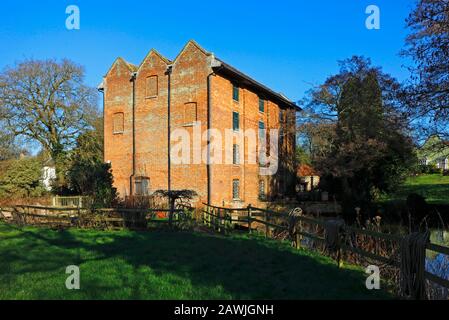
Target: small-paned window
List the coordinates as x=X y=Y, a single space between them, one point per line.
x=236 y=189
x=261 y=105
x=235 y=121
x=235 y=154
x=235 y=92
x=261 y=129
x=262 y=193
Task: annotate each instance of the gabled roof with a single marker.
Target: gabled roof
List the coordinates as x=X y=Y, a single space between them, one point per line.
x=130 y=66
x=305 y=170
x=155 y=52
x=194 y=43
x=221 y=67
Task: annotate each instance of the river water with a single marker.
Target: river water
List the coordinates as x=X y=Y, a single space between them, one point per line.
x=438 y=264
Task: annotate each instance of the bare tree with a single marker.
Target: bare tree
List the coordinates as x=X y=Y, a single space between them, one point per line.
x=46 y=102
x=427 y=45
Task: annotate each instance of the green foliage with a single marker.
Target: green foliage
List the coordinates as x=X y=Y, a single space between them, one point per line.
x=21 y=178
x=95 y=180
x=87 y=174
x=302 y=157
x=428 y=169
x=369 y=152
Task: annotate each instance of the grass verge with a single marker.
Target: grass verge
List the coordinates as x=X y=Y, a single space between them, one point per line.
x=167 y=265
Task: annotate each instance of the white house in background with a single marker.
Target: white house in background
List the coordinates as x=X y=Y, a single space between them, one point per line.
x=48 y=174
x=435 y=151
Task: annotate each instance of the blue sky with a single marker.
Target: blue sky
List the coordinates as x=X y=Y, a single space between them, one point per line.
x=287 y=45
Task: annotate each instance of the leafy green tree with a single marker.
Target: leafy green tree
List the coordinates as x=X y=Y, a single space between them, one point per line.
x=87 y=173
x=302 y=156
x=368 y=150
x=21 y=178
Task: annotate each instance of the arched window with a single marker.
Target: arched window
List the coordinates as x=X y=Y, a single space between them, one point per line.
x=118 y=125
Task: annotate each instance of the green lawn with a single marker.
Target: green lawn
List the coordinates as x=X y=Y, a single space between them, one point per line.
x=434 y=187
x=167 y=265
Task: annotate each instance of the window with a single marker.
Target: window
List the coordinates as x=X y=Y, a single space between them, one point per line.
x=262 y=145
x=261 y=105
x=236 y=189
x=151 y=87
x=235 y=121
x=235 y=154
x=235 y=92
x=118 y=123
x=262 y=194
x=261 y=130
x=281 y=136
x=142 y=186
x=190 y=113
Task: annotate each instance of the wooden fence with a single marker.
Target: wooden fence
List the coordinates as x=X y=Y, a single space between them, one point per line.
x=72 y=202
x=221 y=219
x=116 y=218
x=224 y=220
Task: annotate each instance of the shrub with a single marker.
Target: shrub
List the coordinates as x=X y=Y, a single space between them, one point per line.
x=429 y=169
x=21 y=178
x=95 y=180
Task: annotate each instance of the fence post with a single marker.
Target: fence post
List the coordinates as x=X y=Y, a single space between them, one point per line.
x=267 y=228
x=298 y=241
x=207 y=216
x=229 y=223
x=225 y=220
x=209 y=219
x=298 y=233
x=249 y=218
x=218 y=223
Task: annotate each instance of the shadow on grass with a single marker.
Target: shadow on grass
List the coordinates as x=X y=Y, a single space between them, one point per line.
x=434 y=193
x=167 y=265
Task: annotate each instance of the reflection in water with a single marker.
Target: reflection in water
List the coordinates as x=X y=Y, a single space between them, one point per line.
x=438 y=264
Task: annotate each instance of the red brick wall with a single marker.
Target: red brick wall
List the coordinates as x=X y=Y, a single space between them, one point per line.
x=118 y=147
x=189 y=85
x=151 y=123
x=223 y=106
x=188 y=89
